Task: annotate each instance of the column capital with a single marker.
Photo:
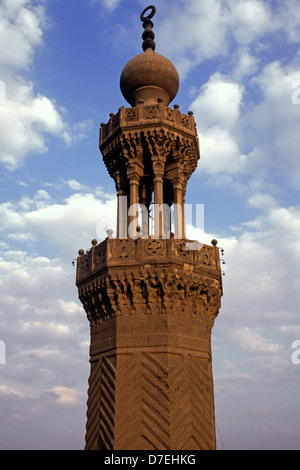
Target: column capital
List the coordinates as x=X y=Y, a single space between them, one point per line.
x=158 y=167
x=134 y=171
x=178 y=183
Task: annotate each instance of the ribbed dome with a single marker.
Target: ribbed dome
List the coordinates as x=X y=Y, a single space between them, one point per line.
x=149 y=76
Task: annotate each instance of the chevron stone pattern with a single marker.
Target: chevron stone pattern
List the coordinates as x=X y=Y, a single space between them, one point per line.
x=148 y=403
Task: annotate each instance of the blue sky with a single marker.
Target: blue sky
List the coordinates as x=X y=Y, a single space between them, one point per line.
x=239 y=68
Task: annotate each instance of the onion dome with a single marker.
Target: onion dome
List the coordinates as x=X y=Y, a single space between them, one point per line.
x=149 y=76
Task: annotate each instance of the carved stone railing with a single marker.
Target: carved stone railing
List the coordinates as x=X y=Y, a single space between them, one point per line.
x=147 y=115
x=113 y=252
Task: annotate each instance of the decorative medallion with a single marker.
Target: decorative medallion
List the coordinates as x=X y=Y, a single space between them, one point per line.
x=154 y=247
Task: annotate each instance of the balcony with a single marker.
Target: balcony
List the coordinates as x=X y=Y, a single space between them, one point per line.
x=125 y=253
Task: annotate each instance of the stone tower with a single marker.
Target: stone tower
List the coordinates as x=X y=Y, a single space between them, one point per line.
x=151 y=296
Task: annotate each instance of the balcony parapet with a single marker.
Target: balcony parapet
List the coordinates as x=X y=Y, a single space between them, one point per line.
x=147 y=115
x=123 y=253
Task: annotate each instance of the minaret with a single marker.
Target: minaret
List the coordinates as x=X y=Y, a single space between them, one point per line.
x=151 y=296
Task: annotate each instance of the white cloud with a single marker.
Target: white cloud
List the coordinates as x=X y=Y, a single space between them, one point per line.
x=47 y=349
x=249 y=20
x=251 y=340
x=264 y=202
x=232 y=381
x=220 y=153
x=289 y=17
x=77 y=220
x=47 y=315
x=275 y=83
x=73 y=184
x=218 y=103
x=21 y=31
x=210 y=30
x=79 y=217
x=27 y=118
x=200 y=32
x=5 y=390
x=273 y=124
x=111 y=4
x=217 y=109
x=50 y=327
x=68 y=396
x=262 y=278
x=24 y=120
x=255 y=140
x=293 y=331
x=246 y=64
x=205 y=30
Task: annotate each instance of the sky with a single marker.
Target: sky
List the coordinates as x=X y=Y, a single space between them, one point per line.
x=239 y=68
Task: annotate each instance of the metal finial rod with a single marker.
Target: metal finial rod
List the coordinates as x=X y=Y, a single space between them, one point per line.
x=148 y=34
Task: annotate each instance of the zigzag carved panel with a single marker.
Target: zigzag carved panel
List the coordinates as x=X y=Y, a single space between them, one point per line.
x=100 y=428
x=92 y=425
x=144 y=404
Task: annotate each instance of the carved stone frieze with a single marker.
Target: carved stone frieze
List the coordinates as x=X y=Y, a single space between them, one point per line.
x=157 y=141
x=147 y=290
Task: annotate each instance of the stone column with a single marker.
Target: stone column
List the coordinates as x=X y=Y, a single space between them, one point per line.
x=121 y=205
x=178 y=212
x=145 y=202
x=133 y=175
x=158 y=169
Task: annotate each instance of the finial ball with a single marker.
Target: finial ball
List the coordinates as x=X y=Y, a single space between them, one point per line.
x=149 y=76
